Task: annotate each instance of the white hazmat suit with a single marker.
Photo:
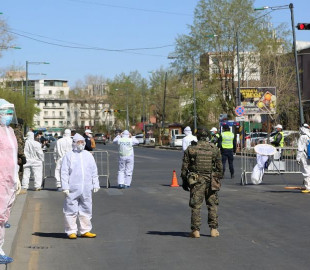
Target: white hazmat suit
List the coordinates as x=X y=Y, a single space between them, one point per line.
x=126 y=158
x=62 y=146
x=189 y=137
x=79 y=176
x=8 y=169
x=301 y=157
x=35 y=157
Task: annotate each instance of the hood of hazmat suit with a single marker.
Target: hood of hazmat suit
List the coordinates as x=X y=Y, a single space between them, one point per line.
x=33 y=151
x=63 y=145
x=75 y=147
x=187 y=140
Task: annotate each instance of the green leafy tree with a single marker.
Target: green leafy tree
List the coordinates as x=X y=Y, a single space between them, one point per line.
x=218 y=27
x=23 y=111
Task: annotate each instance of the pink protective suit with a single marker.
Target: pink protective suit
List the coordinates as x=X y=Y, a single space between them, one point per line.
x=8 y=176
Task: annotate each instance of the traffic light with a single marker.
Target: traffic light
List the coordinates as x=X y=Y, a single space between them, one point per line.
x=107 y=111
x=303 y=26
x=116 y=110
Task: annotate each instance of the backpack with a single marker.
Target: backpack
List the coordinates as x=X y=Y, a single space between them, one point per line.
x=92 y=142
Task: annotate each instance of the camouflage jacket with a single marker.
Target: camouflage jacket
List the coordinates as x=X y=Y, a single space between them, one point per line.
x=20 y=142
x=203 y=159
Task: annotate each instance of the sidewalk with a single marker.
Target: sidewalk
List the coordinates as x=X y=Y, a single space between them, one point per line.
x=10 y=234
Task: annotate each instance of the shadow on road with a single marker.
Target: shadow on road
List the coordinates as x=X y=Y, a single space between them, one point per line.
x=180 y=234
x=53 y=235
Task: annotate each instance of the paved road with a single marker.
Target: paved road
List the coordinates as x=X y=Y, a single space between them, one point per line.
x=147 y=226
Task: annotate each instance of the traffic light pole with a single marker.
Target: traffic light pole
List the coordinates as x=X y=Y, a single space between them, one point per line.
x=301 y=112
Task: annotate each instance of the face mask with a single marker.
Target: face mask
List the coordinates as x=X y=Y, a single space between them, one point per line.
x=6 y=120
x=80 y=147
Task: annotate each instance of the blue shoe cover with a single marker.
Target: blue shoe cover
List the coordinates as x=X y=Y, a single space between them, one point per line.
x=127 y=186
x=5 y=259
x=121 y=186
x=7 y=225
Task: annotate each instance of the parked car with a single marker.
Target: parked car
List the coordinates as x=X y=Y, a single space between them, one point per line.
x=100 y=138
x=140 y=138
x=177 y=140
x=256 y=137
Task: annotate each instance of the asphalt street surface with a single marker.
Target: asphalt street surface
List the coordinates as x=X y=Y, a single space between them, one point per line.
x=147 y=226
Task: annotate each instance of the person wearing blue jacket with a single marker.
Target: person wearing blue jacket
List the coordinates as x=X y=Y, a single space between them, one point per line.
x=79 y=177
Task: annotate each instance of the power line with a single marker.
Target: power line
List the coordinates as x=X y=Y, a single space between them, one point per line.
x=82 y=46
x=129 y=51
x=130 y=8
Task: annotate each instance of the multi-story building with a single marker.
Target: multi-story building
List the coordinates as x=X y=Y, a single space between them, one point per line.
x=60 y=110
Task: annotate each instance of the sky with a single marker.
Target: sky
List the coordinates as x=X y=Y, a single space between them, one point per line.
x=107 y=26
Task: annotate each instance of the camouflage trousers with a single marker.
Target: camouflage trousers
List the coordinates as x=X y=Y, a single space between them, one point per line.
x=198 y=192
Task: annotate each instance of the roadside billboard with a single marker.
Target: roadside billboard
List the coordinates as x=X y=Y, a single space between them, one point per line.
x=258 y=100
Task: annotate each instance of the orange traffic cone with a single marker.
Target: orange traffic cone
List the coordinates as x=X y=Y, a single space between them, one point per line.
x=174 y=180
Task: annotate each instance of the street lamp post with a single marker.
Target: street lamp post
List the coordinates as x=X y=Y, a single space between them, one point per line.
x=291 y=7
x=26 y=88
x=127 y=112
x=194 y=95
x=194 y=90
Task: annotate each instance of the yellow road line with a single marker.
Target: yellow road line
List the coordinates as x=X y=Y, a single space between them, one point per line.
x=34 y=256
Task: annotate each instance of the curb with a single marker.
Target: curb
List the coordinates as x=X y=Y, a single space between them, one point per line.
x=15 y=218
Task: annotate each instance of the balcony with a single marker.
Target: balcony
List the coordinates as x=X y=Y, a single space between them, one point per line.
x=53 y=117
x=53 y=107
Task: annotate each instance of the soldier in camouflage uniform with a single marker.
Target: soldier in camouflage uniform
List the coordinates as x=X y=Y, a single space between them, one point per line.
x=18 y=130
x=201 y=173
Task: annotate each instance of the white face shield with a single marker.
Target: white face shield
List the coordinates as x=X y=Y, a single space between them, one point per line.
x=7 y=113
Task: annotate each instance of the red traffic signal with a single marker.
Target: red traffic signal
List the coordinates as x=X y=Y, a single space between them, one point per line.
x=303 y=26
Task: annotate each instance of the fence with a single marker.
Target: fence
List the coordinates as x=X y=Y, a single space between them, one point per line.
x=101 y=158
x=283 y=162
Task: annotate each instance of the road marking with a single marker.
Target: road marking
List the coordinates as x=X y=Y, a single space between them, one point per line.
x=34 y=255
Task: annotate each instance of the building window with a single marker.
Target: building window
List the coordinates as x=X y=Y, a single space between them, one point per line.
x=253 y=70
x=46 y=123
x=61 y=123
x=53 y=113
x=54 y=123
x=82 y=123
x=38 y=123
x=60 y=113
x=62 y=93
x=45 y=113
x=68 y=113
x=50 y=92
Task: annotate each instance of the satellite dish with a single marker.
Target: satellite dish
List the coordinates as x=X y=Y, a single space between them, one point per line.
x=265 y=149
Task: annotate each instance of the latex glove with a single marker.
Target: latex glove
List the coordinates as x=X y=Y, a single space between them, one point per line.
x=18 y=187
x=66 y=192
x=96 y=190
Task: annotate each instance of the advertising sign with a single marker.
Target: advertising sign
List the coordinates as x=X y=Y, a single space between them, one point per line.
x=258 y=100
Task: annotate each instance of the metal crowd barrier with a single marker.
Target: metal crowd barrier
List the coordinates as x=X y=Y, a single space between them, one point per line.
x=101 y=158
x=283 y=162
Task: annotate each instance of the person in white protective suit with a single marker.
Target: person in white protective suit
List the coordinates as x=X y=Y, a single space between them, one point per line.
x=8 y=169
x=62 y=146
x=79 y=177
x=301 y=157
x=189 y=137
x=126 y=158
x=35 y=157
